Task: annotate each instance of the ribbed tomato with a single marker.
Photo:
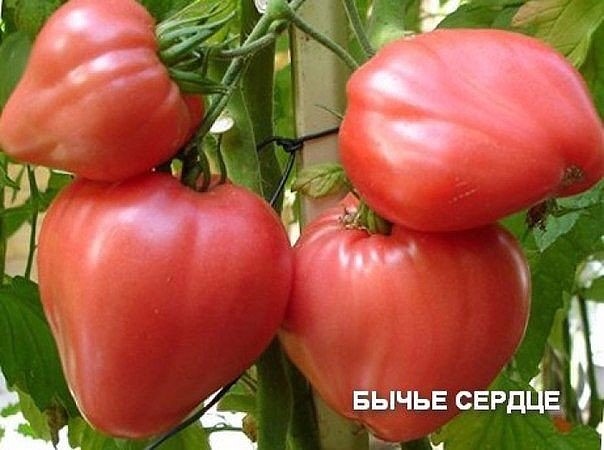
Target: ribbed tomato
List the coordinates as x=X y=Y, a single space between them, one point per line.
x=95 y=99
x=455 y=129
x=411 y=311
x=158 y=295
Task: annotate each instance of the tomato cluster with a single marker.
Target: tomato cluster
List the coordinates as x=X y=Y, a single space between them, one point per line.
x=157 y=295
x=444 y=134
x=154 y=292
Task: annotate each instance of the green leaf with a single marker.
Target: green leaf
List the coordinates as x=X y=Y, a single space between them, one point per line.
x=388 y=20
x=10 y=410
x=498 y=430
x=553 y=273
x=238 y=144
x=14 y=52
x=482 y=14
x=593 y=69
x=162 y=9
x=1 y=433
x=321 y=180
x=43 y=424
x=29 y=15
x=15 y=216
x=596 y=290
x=82 y=435
x=5 y=180
x=28 y=355
x=567 y=25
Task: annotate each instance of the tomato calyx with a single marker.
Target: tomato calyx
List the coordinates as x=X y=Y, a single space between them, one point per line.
x=182 y=49
x=364 y=218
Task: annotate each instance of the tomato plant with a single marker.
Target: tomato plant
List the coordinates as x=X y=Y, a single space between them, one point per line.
x=455 y=129
x=147 y=295
x=155 y=295
x=423 y=312
x=95 y=98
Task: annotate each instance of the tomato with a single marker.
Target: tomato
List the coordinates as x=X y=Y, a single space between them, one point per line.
x=158 y=295
x=95 y=98
x=411 y=311
x=455 y=129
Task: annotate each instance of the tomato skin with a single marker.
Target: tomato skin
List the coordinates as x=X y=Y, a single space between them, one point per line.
x=455 y=129
x=158 y=295
x=95 y=98
x=409 y=311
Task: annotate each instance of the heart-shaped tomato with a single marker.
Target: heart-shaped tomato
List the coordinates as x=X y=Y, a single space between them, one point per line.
x=158 y=295
x=95 y=98
x=410 y=311
x=455 y=129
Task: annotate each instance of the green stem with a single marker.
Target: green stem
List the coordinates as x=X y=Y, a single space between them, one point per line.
x=221 y=164
x=35 y=196
x=272 y=399
x=418 y=444
x=569 y=396
x=249 y=50
x=357 y=27
x=3 y=237
x=236 y=69
x=336 y=48
x=303 y=426
x=595 y=404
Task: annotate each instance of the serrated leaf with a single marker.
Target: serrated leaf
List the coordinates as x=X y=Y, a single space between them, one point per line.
x=28 y=355
x=498 y=430
x=593 y=69
x=567 y=25
x=553 y=274
x=81 y=434
x=14 y=52
x=321 y=180
x=44 y=424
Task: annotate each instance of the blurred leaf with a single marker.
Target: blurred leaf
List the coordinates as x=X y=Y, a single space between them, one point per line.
x=387 y=21
x=29 y=15
x=162 y=9
x=245 y=403
x=1 y=433
x=82 y=435
x=498 y=430
x=321 y=180
x=6 y=181
x=28 y=355
x=14 y=52
x=595 y=290
x=482 y=14
x=44 y=425
x=238 y=144
x=15 y=216
x=10 y=410
x=593 y=69
x=567 y=25
x=553 y=272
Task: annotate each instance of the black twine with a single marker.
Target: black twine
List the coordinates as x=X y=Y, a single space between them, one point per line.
x=291 y=146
